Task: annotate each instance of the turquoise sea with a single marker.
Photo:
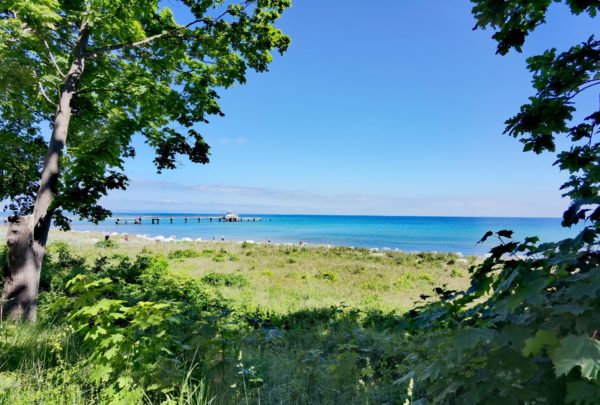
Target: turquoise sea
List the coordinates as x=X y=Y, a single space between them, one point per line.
x=441 y=234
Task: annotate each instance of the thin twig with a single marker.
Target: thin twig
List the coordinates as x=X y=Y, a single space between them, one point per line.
x=584 y=88
x=43 y=92
x=95 y=52
x=137 y=44
x=52 y=58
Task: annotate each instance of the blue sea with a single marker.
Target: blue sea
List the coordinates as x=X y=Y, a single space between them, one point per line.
x=410 y=234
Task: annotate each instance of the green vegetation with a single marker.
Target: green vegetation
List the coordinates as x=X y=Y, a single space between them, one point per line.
x=107 y=244
x=126 y=323
x=527 y=328
x=165 y=322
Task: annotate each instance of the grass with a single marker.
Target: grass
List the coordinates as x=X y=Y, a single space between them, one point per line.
x=290 y=278
x=291 y=324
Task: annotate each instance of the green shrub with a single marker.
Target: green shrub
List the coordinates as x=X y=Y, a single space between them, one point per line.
x=405 y=281
x=129 y=344
x=374 y=285
x=456 y=273
x=184 y=254
x=326 y=275
x=107 y=244
x=428 y=278
x=225 y=279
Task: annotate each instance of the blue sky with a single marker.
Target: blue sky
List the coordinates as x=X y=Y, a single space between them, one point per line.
x=395 y=108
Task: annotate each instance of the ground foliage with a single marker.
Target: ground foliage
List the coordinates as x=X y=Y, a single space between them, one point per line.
x=124 y=328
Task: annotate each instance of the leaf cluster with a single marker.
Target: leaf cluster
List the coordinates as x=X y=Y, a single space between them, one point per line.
x=146 y=74
x=137 y=322
x=514 y=20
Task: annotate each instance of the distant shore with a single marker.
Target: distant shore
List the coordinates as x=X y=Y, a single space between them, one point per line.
x=89 y=238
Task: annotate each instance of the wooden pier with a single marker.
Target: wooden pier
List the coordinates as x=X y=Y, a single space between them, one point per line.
x=156 y=219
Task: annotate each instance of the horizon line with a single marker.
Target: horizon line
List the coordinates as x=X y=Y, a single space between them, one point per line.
x=338 y=215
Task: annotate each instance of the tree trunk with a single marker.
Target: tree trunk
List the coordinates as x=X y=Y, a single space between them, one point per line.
x=27 y=236
x=22 y=273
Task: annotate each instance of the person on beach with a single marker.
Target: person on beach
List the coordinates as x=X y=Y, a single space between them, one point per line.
x=106 y=236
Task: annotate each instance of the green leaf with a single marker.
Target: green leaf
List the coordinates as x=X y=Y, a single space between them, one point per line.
x=405 y=378
x=110 y=353
x=101 y=373
x=582 y=393
x=124 y=381
x=574 y=309
x=577 y=351
x=543 y=339
x=471 y=337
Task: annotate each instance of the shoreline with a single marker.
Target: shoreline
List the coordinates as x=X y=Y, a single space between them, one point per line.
x=93 y=237
x=423 y=234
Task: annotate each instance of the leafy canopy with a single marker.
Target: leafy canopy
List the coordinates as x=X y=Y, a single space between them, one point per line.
x=146 y=72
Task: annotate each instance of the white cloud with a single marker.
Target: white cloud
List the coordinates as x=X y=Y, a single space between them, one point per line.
x=145 y=195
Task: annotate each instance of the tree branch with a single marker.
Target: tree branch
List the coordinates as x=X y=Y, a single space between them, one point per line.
x=43 y=92
x=52 y=58
x=103 y=90
x=597 y=82
x=137 y=44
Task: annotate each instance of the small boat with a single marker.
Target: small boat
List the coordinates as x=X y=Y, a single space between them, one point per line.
x=231 y=217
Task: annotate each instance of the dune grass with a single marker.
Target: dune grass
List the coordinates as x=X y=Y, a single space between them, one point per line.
x=284 y=278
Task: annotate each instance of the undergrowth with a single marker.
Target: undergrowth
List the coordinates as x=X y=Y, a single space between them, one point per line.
x=122 y=328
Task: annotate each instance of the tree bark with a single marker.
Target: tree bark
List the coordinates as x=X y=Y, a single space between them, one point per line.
x=27 y=235
x=22 y=272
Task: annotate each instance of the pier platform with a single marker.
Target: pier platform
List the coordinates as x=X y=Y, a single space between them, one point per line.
x=157 y=219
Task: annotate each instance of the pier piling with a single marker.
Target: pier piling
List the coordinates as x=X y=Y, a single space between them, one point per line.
x=155 y=219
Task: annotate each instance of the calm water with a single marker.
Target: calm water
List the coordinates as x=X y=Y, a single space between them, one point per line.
x=442 y=234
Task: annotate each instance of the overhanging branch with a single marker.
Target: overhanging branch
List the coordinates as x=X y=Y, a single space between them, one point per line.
x=138 y=44
x=43 y=93
x=52 y=58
